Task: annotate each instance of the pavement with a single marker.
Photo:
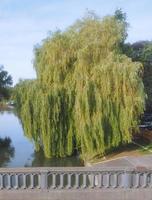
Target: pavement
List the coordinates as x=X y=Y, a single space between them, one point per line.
x=127 y=161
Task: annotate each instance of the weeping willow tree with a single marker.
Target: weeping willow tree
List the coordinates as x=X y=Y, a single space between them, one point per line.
x=88 y=96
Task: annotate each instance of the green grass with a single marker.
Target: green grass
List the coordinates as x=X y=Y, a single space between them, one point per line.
x=131 y=149
x=147 y=149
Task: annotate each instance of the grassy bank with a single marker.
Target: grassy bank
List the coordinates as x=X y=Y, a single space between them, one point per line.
x=139 y=148
x=3 y=105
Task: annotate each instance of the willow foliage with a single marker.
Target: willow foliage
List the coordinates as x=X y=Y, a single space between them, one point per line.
x=87 y=95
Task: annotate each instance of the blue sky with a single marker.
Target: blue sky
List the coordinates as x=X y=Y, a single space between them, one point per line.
x=24 y=23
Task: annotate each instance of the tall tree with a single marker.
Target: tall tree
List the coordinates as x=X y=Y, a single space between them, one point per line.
x=87 y=96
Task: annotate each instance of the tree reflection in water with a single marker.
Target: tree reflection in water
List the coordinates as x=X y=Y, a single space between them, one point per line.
x=6 y=151
x=38 y=160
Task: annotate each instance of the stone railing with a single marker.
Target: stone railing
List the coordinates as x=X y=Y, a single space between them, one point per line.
x=74 y=178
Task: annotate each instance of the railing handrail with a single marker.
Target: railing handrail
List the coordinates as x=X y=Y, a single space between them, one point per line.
x=75 y=177
x=74 y=169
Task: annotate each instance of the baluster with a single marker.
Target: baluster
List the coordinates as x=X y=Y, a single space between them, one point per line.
x=100 y=180
x=61 y=181
x=108 y=180
x=53 y=181
x=144 y=180
x=39 y=181
x=150 y=180
x=115 y=185
x=8 y=181
x=127 y=180
x=96 y=181
x=84 y=181
x=24 y=181
x=44 y=180
x=16 y=181
x=32 y=181
x=1 y=182
x=76 y=181
x=69 y=185
x=92 y=180
x=137 y=180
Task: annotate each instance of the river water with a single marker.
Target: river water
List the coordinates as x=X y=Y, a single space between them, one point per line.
x=18 y=150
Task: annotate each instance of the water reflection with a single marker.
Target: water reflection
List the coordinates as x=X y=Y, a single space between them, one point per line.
x=9 y=109
x=38 y=159
x=19 y=151
x=6 y=151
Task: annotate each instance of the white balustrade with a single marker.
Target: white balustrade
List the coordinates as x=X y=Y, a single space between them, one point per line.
x=74 y=178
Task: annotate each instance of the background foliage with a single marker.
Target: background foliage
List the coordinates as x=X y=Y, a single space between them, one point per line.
x=5 y=83
x=142 y=51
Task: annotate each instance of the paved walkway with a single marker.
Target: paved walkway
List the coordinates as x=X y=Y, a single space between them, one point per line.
x=128 y=161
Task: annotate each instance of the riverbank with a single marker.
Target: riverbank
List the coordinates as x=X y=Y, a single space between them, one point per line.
x=5 y=107
x=135 y=149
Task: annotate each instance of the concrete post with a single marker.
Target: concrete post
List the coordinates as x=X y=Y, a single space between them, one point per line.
x=44 y=184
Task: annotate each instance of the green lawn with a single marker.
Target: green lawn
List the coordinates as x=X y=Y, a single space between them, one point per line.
x=133 y=149
x=147 y=149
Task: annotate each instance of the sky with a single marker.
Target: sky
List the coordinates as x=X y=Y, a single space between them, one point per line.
x=25 y=23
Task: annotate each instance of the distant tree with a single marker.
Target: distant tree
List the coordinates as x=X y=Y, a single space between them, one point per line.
x=5 y=83
x=121 y=17
x=141 y=51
